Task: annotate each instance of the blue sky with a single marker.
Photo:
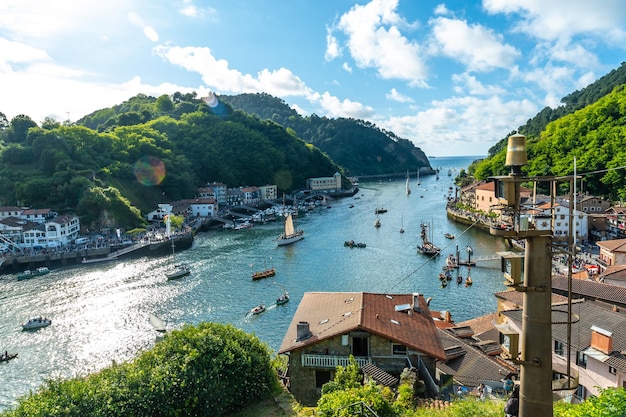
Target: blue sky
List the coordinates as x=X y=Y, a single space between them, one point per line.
x=453 y=77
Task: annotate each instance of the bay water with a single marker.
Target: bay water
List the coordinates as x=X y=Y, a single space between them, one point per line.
x=101 y=312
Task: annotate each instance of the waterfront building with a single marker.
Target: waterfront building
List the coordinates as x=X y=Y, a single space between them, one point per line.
x=268 y=192
x=58 y=232
x=216 y=190
x=38 y=215
x=385 y=333
x=612 y=252
x=163 y=209
x=10 y=211
x=325 y=183
x=542 y=214
x=251 y=195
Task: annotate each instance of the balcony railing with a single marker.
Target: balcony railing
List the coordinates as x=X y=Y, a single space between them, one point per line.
x=330 y=361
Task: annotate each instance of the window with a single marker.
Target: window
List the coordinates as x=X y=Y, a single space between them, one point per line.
x=581 y=360
x=398 y=350
x=321 y=377
x=559 y=348
x=612 y=370
x=562 y=216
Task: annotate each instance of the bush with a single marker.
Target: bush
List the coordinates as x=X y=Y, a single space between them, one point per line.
x=208 y=370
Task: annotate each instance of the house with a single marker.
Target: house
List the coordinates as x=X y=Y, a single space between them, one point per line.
x=10 y=211
x=58 y=232
x=614 y=275
x=38 y=215
x=268 y=192
x=159 y=214
x=251 y=195
x=386 y=332
x=545 y=216
x=591 y=290
x=616 y=222
x=216 y=190
x=612 y=252
x=597 y=346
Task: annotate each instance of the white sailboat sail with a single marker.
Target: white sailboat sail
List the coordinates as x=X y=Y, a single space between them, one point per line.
x=289 y=229
x=408 y=189
x=290 y=235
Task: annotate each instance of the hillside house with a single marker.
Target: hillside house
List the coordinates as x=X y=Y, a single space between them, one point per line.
x=616 y=222
x=383 y=332
x=612 y=252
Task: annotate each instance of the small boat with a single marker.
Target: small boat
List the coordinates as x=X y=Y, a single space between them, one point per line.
x=258 y=309
x=449 y=236
x=264 y=274
x=157 y=323
x=352 y=244
x=408 y=189
x=36 y=323
x=380 y=210
x=283 y=299
x=6 y=356
x=459 y=280
x=290 y=235
x=42 y=270
x=427 y=247
x=180 y=271
x=377 y=223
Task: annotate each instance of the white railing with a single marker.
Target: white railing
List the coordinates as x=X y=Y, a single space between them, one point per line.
x=329 y=361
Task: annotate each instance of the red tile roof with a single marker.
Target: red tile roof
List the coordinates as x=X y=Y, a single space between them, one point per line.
x=390 y=316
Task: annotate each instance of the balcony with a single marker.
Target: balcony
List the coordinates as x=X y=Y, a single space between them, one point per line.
x=330 y=361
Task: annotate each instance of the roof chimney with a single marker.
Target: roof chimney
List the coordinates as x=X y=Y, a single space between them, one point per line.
x=303 y=331
x=416 y=303
x=601 y=340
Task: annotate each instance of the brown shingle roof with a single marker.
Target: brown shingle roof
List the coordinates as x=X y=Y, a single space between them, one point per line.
x=615 y=245
x=390 y=316
x=613 y=294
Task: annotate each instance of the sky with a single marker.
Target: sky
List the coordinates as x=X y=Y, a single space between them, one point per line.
x=453 y=77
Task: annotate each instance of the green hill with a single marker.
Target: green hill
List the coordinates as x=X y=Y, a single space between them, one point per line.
x=358 y=146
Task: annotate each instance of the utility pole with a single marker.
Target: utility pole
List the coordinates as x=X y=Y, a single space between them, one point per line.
x=536 y=339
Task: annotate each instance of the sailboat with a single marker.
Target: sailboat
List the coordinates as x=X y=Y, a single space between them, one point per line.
x=158 y=323
x=427 y=247
x=267 y=272
x=418 y=176
x=290 y=235
x=180 y=270
x=408 y=189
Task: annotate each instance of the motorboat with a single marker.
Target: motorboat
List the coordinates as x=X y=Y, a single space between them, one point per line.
x=179 y=272
x=36 y=323
x=258 y=309
x=42 y=270
x=283 y=299
x=6 y=356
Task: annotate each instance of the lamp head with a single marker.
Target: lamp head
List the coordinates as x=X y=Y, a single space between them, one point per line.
x=516 y=153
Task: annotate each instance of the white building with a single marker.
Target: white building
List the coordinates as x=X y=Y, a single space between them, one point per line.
x=325 y=183
x=60 y=231
x=543 y=213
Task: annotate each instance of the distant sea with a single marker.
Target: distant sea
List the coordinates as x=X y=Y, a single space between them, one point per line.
x=100 y=312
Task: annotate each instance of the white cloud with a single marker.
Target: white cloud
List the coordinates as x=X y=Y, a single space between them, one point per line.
x=394 y=95
x=346 y=67
x=151 y=33
x=344 y=108
x=476 y=46
x=189 y=9
x=460 y=125
x=375 y=41
x=564 y=19
x=332 y=46
x=467 y=83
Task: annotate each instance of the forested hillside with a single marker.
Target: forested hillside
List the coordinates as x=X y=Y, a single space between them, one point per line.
x=358 y=146
x=572 y=102
x=119 y=161
x=594 y=135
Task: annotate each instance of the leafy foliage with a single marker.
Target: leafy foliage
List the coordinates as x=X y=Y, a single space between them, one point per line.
x=595 y=136
x=357 y=145
x=211 y=370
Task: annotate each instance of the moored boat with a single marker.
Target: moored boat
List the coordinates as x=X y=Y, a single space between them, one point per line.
x=179 y=272
x=36 y=323
x=291 y=234
x=427 y=247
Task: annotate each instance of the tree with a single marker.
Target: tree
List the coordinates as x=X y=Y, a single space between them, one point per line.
x=19 y=128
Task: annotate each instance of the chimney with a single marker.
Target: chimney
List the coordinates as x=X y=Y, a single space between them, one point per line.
x=601 y=340
x=416 y=303
x=303 y=332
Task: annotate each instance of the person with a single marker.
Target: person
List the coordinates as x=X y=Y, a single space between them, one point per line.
x=482 y=391
x=508 y=385
x=459 y=392
x=511 y=408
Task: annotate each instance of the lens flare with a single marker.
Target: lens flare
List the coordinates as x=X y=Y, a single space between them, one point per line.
x=149 y=170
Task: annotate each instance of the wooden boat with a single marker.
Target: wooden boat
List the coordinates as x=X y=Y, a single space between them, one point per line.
x=449 y=236
x=258 y=309
x=352 y=244
x=36 y=323
x=377 y=222
x=283 y=299
x=468 y=281
x=6 y=356
x=264 y=274
x=42 y=270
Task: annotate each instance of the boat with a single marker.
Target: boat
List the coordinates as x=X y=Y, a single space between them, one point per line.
x=283 y=299
x=290 y=235
x=42 y=270
x=449 y=236
x=459 y=280
x=157 y=323
x=401 y=223
x=408 y=189
x=380 y=210
x=264 y=274
x=418 y=177
x=180 y=270
x=352 y=244
x=36 y=323
x=451 y=262
x=6 y=356
x=427 y=247
x=468 y=280
x=377 y=222
x=258 y=309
